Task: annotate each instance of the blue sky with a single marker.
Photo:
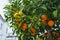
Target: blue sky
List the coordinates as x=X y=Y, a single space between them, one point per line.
x=2 y=4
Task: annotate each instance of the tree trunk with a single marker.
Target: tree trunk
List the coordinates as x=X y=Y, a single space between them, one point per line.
x=49 y=33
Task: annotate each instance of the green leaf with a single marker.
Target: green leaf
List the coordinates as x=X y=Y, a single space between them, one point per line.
x=22 y=36
x=44 y=7
x=55 y=13
x=59 y=7
x=30 y=25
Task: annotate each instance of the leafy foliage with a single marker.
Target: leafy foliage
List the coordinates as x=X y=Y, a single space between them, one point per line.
x=27 y=15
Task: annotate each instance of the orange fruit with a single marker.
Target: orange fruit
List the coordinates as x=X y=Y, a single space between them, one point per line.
x=15 y=15
x=33 y=30
x=18 y=14
x=24 y=26
x=45 y=35
x=44 y=17
x=51 y=23
x=58 y=38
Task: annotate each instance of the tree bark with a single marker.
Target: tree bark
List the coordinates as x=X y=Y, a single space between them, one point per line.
x=49 y=33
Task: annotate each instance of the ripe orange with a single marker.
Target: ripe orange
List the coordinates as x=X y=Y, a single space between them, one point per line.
x=50 y=23
x=24 y=26
x=44 y=17
x=58 y=38
x=33 y=30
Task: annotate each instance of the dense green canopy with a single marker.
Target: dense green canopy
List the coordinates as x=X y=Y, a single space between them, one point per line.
x=34 y=19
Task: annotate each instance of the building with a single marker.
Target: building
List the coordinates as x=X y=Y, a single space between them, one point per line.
x=6 y=32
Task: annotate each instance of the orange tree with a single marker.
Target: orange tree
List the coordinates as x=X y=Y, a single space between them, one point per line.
x=34 y=19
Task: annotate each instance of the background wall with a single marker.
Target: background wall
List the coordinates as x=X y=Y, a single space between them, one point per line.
x=5 y=30
x=2 y=4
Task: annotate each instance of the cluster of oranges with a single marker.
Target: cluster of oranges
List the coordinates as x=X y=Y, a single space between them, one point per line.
x=18 y=14
x=33 y=30
x=44 y=18
x=24 y=27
